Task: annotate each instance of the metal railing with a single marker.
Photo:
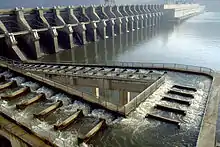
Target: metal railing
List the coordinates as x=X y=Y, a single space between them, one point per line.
x=11 y=64
x=84 y=95
x=159 y=66
x=101 y=100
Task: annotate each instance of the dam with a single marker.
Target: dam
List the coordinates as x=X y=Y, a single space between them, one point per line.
x=65 y=102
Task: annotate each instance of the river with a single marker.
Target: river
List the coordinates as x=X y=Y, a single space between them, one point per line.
x=195 y=42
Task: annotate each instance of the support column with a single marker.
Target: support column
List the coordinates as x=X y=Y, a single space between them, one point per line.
x=123 y=97
x=92 y=29
x=91 y=33
x=145 y=16
x=12 y=44
x=51 y=30
x=54 y=34
x=161 y=8
x=96 y=23
x=40 y=13
x=32 y=39
x=130 y=18
x=58 y=19
x=129 y=97
x=136 y=16
x=81 y=29
x=102 y=29
x=67 y=30
x=118 y=21
x=35 y=38
x=141 y=16
x=111 y=22
x=2 y=27
x=124 y=18
x=150 y=16
x=156 y=14
x=103 y=19
x=22 y=23
x=77 y=27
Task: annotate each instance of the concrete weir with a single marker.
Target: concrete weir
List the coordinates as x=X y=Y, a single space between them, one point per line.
x=98 y=127
x=184 y=94
x=184 y=88
x=163 y=119
x=10 y=84
x=180 y=101
x=69 y=120
x=16 y=94
x=35 y=99
x=170 y=109
x=44 y=113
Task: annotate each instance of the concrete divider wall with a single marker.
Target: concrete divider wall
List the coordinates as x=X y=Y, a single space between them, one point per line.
x=133 y=104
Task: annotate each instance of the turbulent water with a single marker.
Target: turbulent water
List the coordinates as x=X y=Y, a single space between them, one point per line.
x=133 y=131
x=195 y=42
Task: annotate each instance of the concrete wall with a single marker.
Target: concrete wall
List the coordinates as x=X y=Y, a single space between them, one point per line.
x=111 y=84
x=15 y=141
x=133 y=104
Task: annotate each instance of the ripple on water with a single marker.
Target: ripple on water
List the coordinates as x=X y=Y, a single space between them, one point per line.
x=48 y=92
x=32 y=85
x=19 y=80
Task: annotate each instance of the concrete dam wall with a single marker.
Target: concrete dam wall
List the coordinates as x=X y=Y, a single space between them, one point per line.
x=31 y=33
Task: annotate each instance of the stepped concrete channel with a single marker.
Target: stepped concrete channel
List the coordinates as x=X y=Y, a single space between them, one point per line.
x=201 y=84
x=31 y=33
x=69 y=104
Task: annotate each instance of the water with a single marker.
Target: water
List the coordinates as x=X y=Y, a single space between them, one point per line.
x=135 y=130
x=194 y=42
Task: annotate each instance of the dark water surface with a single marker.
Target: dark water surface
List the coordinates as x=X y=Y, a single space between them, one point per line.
x=194 y=42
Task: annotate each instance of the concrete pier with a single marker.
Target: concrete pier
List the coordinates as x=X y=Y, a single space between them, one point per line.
x=16 y=94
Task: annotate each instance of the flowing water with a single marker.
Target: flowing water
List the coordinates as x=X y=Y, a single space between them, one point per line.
x=195 y=42
x=133 y=131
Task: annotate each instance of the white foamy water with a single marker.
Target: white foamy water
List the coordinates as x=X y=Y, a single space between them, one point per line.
x=48 y=92
x=19 y=80
x=133 y=130
x=32 y=85
x=100 y=113
x=7 y=74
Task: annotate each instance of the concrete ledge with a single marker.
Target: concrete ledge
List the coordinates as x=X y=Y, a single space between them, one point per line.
x=133 y=104
x=26 y=134
x=207 y=132
x=135 y=65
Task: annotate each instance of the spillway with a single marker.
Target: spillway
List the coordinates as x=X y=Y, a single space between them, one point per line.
x=120 y=130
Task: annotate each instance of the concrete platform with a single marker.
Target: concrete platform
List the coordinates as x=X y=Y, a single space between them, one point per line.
x=9 y=128
x=208 y=127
